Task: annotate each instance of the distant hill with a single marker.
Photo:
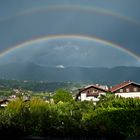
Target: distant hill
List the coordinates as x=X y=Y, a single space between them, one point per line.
x=33 y=72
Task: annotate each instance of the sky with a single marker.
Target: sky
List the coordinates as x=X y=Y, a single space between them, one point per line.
x=111 y=21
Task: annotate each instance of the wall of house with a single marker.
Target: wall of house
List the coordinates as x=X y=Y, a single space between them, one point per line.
x=89 y=98
x=92 y=98
x=84 y=97
x=129 y=95
x=131 y=88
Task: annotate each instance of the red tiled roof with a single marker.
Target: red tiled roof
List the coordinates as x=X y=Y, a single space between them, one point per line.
x=121 y=85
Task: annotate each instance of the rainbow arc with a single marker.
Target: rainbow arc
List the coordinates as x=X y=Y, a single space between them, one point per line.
x=81 y=37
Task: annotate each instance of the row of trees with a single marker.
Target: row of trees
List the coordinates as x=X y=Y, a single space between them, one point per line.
x=36 y=86
x=112 y=117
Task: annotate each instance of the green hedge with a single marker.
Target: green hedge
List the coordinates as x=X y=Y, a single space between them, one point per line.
x=113 y=117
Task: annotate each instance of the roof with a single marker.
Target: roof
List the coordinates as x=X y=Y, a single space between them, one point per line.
x=94 y=86
x=3 y=101
x=121 y=85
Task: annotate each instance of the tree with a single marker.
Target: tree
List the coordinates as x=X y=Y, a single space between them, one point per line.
x=62 y=95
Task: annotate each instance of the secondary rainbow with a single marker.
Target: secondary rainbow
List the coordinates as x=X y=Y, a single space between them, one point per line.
x=76 y=8
x=81 y=37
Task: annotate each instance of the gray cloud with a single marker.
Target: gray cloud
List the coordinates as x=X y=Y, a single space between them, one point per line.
x=76 y=53
x=71 y=21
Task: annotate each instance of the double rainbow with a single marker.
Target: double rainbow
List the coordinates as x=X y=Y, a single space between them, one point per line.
x=81 y=37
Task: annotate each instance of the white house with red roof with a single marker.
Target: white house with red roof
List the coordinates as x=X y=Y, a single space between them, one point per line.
x=127 y=89
x=91 y=93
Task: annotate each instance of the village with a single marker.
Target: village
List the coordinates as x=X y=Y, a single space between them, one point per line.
x=92 y=92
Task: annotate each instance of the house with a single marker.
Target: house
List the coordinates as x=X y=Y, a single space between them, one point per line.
x=91 y=93
x=127 y=89
x=4 y=102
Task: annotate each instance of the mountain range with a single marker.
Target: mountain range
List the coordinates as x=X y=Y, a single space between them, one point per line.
x=34 y=72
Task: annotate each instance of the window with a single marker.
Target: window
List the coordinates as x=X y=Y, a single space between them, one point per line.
x=121 y=90
x=95 y=90
x=135 y=89
x=127 y=90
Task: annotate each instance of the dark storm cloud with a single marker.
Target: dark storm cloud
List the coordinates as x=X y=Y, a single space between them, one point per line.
x=65 y=21
x=70 y=52
x=126 y=7
x=69 y=22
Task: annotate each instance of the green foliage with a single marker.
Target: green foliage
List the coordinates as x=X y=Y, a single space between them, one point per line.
x=112 y=116
x=111 y=121
x=118 y=102
x=36 y=86
x=5 y=92
x=62 y=95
